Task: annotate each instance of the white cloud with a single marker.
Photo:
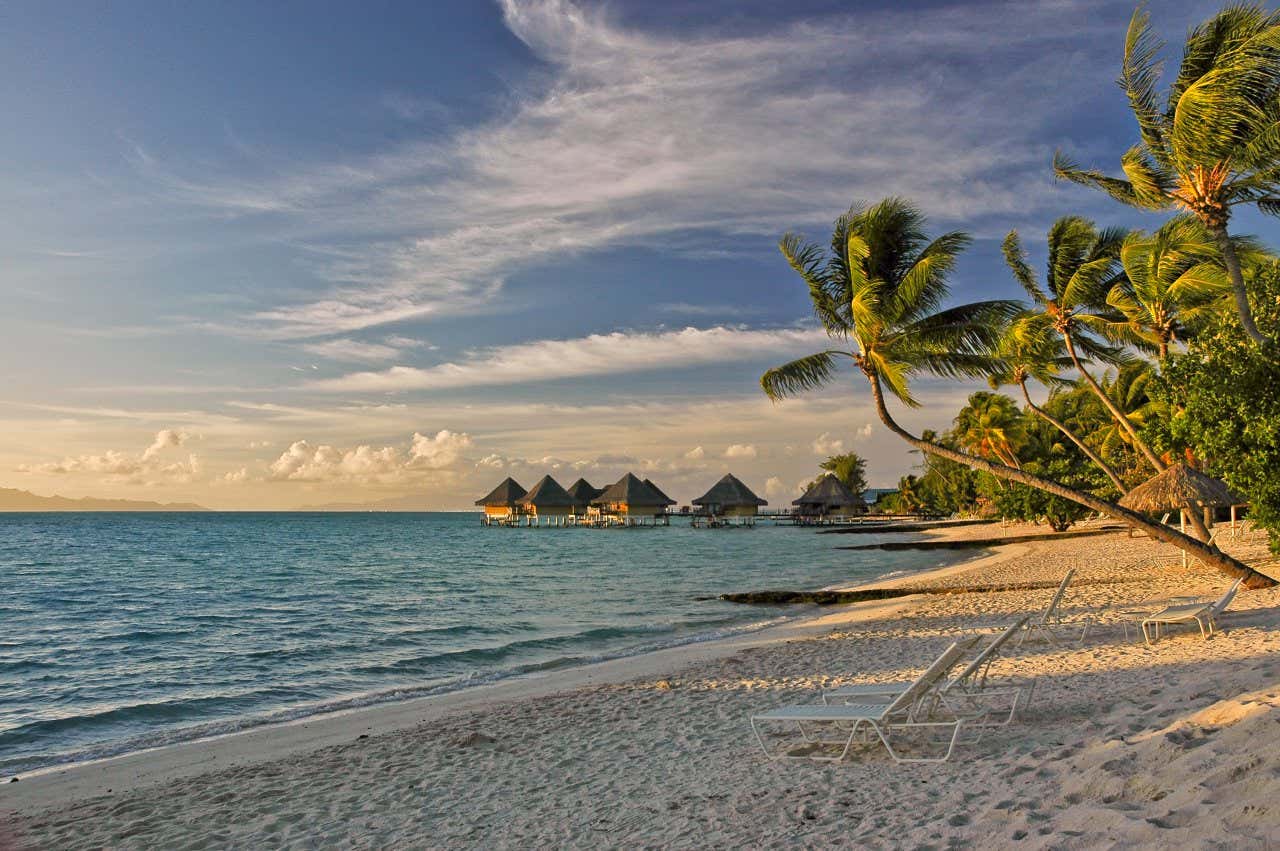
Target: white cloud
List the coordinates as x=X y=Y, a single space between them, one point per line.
x=307 y=462
x=634 y=137
x=741 y=450
x=865 y=431
x=145 y=468
x=695 y=454
x=825 y=444
x=778 y=492
x=165 y=438
x=236 y=477
x=346 y=349
x=442 y=450
x=597 y=354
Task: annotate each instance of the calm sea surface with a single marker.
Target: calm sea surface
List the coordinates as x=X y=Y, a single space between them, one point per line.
x=125 y=631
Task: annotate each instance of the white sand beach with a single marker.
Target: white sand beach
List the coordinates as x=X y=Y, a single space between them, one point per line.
x=1124 y=745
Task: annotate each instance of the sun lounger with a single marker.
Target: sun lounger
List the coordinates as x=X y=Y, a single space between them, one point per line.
x=883 y=719
x=969 y=687
x=1050 y=621
x=1204 y=614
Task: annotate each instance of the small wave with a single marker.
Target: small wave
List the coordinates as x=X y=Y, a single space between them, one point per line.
x=215 y=729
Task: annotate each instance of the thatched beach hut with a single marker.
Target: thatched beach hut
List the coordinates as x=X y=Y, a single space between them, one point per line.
x=583 y=492
x=1177 y=487
x=630 y=502
x=1180 y=486
x=828 y=499
x=502 y=505
x=547 y=500
x=729 y=497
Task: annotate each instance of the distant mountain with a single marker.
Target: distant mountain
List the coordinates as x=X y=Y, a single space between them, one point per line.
x=412 y=502
x=12 y=499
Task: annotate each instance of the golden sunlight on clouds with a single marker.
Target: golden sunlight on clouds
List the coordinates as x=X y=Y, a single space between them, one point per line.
x=266 y=455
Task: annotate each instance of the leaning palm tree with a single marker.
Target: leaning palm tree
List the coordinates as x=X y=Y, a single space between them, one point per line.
x=1084 y=265
x=1215 y=143
x=879 y=294
x=1028 y=349
x=1174 y=280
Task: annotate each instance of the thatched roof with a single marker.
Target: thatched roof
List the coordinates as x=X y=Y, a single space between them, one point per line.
x=729 y=492
x=583 y=492
x=507 y=493
x=828 y=492
x=1176 y=487
x=666 y=500
x=632 y=491
x=547 y=493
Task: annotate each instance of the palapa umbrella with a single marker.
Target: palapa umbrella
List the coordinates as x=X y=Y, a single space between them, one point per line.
x=1178 y=487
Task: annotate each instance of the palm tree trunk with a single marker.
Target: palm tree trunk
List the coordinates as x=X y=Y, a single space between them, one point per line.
x=1118 y=414
x=1232 y=262
x=1210 y=556
x=1193 y=516
x=1089 y=453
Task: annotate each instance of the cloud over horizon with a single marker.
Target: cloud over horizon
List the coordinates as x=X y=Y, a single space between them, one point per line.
x=596 y=354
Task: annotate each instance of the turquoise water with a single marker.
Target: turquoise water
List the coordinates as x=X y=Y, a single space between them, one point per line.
x=125 y=631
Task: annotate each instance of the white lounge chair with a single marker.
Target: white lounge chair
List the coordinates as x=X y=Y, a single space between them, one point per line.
x=967 y=687
x=1050 y=621
x=1205 y=615
x=884 y=719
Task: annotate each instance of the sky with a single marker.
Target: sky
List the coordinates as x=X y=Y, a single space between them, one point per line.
x=274 y=255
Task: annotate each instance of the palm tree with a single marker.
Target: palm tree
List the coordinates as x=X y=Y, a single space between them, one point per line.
x=1174 y=279
x=1027 y=349
x=990 y=425
x=1084 y=266
x=1215 y=144
x=879 y=295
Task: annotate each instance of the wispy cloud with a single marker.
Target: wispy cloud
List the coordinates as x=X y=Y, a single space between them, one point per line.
x=345 y=349
x=672 y=140
x=598 y=354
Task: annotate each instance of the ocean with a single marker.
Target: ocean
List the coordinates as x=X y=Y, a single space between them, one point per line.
x=120 y=632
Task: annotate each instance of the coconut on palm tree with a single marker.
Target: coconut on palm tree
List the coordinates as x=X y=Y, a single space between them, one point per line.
x=879 y=294
x=1214 y=144
x=1028 y=349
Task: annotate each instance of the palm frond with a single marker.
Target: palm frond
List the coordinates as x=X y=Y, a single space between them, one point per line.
x=808 y=260
x=1121 y=190
x=924 y=286
x=1139 y=75
x=807 y=373
x=1016 y=258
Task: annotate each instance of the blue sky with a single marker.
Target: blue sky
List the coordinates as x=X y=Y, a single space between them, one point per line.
x=268 y=255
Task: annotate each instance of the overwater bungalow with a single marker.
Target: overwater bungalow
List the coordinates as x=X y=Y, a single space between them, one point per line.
x=547 y=501
x=630 y=502
x=583 y=492
x=828 y=500
x=730 y=500
x=666 y=500
x=502 y=505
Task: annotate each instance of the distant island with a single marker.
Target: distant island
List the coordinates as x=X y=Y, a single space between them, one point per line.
x=12 y=499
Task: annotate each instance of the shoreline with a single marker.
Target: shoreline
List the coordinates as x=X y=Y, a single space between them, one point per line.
x=60 y=784
x=1123 y=745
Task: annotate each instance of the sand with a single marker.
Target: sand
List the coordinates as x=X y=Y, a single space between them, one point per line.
x=1124 y=745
